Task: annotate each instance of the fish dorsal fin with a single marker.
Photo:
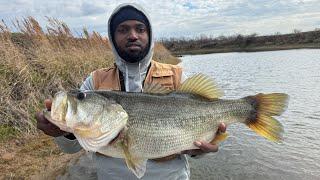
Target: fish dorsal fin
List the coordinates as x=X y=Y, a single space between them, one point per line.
x=201 y=85
x=154 y=88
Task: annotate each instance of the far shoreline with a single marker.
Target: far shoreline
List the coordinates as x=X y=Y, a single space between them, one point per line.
x=246 y=49
x=243 y=43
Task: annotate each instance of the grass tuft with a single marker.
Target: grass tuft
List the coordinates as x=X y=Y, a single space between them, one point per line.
x=7 y=132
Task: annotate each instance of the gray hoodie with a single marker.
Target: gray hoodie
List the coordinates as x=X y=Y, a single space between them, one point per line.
x=133 y=73
x=114 y=168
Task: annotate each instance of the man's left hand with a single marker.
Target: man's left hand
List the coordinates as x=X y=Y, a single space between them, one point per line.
x=204 y=146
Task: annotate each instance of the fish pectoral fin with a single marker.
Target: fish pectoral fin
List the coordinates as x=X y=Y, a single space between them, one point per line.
x=154 y=88
x=219 y=138
x=201 y=85
x=137 y=165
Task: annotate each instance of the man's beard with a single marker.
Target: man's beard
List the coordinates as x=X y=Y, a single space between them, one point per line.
x=133 y=56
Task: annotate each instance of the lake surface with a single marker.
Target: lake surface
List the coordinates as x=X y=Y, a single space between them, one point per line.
x=245 y=155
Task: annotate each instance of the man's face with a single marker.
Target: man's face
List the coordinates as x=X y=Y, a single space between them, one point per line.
x=132 y=40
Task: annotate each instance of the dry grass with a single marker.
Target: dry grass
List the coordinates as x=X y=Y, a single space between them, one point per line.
x=36 y=62
x=33 y=157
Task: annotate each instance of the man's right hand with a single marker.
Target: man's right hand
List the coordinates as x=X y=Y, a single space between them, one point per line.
x=46 y=126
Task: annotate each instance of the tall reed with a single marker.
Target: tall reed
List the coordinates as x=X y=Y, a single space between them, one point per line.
x=36 y=62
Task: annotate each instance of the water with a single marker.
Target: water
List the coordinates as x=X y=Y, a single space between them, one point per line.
x=246 y=155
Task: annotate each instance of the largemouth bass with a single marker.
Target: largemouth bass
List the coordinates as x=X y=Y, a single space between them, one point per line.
x=160 y=122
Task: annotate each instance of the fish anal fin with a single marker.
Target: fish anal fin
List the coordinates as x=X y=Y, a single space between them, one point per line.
x=201 y=85
x=155 y=88
x=137 y=165
x=219 y=138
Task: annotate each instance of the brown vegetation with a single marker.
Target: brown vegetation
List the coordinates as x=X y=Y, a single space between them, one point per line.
x=33 y=157
x=36 y=62
x=205 y=44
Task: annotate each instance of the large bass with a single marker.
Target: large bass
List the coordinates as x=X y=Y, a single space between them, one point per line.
x=159 y=122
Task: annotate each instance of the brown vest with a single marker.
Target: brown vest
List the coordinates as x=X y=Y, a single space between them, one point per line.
x=166 y=75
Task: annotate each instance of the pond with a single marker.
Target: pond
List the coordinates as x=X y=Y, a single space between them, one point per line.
x=246 y=155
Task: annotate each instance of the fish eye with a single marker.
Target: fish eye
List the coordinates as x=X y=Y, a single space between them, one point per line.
x=81 y=95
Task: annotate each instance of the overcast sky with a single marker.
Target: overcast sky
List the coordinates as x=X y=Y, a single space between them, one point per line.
x=176 y=18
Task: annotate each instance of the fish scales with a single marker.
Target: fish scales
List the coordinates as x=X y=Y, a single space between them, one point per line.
x=162 y=125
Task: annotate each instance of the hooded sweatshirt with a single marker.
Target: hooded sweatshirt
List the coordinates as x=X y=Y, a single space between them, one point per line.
x=133 y=73
x=115 y=168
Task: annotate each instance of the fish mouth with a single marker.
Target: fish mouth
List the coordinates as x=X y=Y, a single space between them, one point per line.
x=61 y=125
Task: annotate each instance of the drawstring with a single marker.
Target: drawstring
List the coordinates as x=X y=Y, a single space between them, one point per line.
x=127 y=79
x=140 y=82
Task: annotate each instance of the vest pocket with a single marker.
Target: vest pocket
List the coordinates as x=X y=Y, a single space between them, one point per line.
x=166 y=80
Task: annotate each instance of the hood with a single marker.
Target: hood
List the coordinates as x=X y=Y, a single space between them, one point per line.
x=133 y=73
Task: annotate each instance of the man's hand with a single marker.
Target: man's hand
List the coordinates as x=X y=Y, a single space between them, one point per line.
x=46 y=126
x=206 y=147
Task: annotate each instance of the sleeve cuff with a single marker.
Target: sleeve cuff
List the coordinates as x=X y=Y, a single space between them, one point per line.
x=70 y=136
x=67 y=145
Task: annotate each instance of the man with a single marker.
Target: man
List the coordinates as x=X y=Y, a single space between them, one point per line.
x=131 y=39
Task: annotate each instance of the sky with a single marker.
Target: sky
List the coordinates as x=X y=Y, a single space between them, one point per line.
x=178 y=18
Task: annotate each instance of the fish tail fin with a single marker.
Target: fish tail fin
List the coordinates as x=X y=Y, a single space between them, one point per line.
x=266 y=106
